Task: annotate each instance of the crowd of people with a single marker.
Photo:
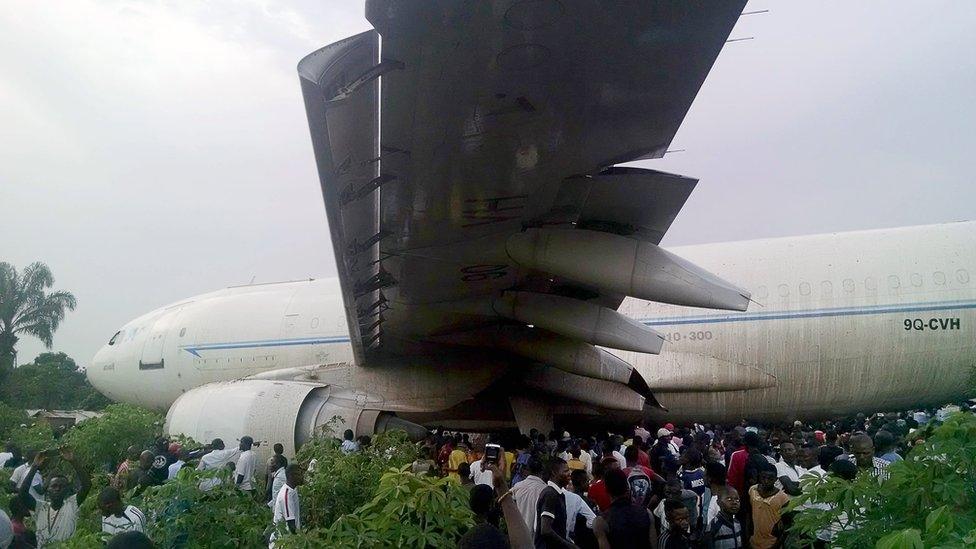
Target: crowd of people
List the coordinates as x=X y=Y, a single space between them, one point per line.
x=707 y=486
x=670 y=487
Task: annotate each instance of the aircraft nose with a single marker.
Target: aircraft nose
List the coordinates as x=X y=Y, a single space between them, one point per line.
x=101 y=363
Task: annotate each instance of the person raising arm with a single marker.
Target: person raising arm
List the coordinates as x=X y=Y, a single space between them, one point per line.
x=56 y=513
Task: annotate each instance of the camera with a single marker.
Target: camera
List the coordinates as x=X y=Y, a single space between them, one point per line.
x=492 y=452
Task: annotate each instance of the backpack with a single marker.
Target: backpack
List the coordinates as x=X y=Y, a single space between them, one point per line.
x=640 y=485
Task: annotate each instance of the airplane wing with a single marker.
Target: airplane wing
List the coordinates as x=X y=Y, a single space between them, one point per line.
x=468 y=166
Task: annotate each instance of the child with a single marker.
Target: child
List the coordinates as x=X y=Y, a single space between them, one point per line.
x=767 y=503
x=678 y=536
x=724 y=531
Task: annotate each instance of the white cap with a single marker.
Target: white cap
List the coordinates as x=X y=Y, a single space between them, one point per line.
x=663 y=432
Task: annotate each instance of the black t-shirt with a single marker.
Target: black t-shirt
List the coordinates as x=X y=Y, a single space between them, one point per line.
x=159 y=471
x=628 y=525
x=553 y=504
x=483 y=536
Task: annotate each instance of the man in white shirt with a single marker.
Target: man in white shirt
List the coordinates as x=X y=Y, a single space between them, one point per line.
x=526 y=492
x=218 y=456
x=246 y=464
x=278 y=477
x=787 y=470
x=348 y=444
x=117 y=518
x=480 y=473
x=20 y=473
x=174 y=468
x=287 y=510
x=575 y=505
x=55 y=513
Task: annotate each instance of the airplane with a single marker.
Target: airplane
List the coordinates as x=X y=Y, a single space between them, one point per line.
x=497 y=266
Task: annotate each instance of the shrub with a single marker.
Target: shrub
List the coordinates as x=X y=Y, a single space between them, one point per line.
x=101 y=441
x=408 y=510
x=342 y=483
x=929 y=499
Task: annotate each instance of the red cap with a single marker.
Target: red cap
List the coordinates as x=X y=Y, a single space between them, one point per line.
x=669 y=426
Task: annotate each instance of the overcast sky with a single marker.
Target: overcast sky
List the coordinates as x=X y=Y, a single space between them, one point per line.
x=150 y=151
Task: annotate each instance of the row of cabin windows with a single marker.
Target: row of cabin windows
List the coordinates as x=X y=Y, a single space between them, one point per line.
x=848 y=285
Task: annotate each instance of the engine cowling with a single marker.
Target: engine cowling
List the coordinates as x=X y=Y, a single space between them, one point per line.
x=286 y=412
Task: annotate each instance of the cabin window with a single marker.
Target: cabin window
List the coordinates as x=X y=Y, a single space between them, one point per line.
x=939 y=277
x=804 y=288
x=784 y=290
x=182 y=332
x=115 y=337
x=893 y=281
x=826 y=288
x=962 y=275
x=870 y=284
x=916 y=279
x=315 y=322
x=849 y=285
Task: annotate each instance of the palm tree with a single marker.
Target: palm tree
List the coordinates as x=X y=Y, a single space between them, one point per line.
x=26 y=308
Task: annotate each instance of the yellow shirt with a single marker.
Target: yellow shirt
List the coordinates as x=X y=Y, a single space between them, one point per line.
x=454 y=461
x=765 y=515
x=509 y=462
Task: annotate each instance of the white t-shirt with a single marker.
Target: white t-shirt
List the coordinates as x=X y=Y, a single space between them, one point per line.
x=286 y=508
x=218 y=458
x=791 y=472
x=55 y=525
x=4 y=456
x=174 y=468
x=132 y=519
x=620 y=459
x=277 y=482
x=349 y=446
x=479 y=476
x=576 y=506
x=17 y=477
x=245 y=467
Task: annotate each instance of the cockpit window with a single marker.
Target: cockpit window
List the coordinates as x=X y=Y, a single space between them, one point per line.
x=115 y=337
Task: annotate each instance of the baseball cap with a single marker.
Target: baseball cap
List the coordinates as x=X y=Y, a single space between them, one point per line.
x=663 y=432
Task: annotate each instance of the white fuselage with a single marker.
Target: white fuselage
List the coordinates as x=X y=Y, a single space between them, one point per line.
x=862 y=321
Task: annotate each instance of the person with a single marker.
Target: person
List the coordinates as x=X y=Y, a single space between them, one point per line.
x=638 y=477
x=715 y=476
x=6 y=529
x=246 y=465
x=598 y=490
x=140 y=477
x=478 y=472
x=573 y=458
x=18 y=516
x=129 y=540
x=767 y=503
x=117 y=517
x=485 y=534
x=218 y=456
x=678 y=535
x=622 y=525
x=458 y=456
x=862 y=449
x=526 y=493
x=20 y=473
x=825 y=456
x=464 y=474
x=884 y=443
x=348 y=444
x=276 y=468
x=519 y=467
x=724 y=531
x=126 y=468
x=174 y=468
x=209 y=483
x=692 y=477
x=551 y=514
x=788 y=470
x=55 y=513
x=807 y=457
x=736 y=474
x=674 y=491
x=162 y=459
x=6 y=455
x=279 y=450
x=579 y=514
x=287 y=507
x=660 y=454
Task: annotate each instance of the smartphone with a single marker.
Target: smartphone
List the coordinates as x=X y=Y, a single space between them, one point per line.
x=492 y=453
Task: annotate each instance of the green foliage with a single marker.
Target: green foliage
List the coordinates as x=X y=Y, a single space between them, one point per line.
x=928 y=501
x=102 y=440
x=408 y=510
x=27 y=308
x=10 y=420
x=38 y=436
x=51 y=382
x=341 y=483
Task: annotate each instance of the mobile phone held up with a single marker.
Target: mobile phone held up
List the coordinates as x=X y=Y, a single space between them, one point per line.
x=492 y=453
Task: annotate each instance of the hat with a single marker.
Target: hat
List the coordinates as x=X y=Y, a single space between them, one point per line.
x=751 y=429
x=174 y=448
x=566 y=435
x=669 y=427
x=819 y=435
x=663 y=432
x=798 y=423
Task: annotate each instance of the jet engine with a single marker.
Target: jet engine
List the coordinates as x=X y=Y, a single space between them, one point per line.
x=289 y=412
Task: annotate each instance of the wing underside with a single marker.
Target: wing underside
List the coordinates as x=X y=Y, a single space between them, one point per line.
x=468 y=168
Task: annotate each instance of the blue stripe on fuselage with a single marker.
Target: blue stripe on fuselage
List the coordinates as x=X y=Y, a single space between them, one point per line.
x=668 y=321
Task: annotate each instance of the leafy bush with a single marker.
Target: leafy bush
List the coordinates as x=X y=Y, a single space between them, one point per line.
x=929 y=499
x=37 y=436
x=408 y=510
x=101 y=441
x=342 y=483
x=10 y=420
x=30 y=386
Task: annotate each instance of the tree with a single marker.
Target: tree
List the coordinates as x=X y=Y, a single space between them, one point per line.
x=52 y=381
x=27 y=308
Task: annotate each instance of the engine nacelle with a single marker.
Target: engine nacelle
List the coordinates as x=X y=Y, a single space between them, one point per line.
x=289 y=412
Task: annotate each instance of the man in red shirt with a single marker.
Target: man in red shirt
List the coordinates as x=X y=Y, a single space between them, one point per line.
x=598 y=490
x=737 y=463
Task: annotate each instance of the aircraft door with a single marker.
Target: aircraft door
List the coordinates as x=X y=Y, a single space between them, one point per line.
x=153 y=348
